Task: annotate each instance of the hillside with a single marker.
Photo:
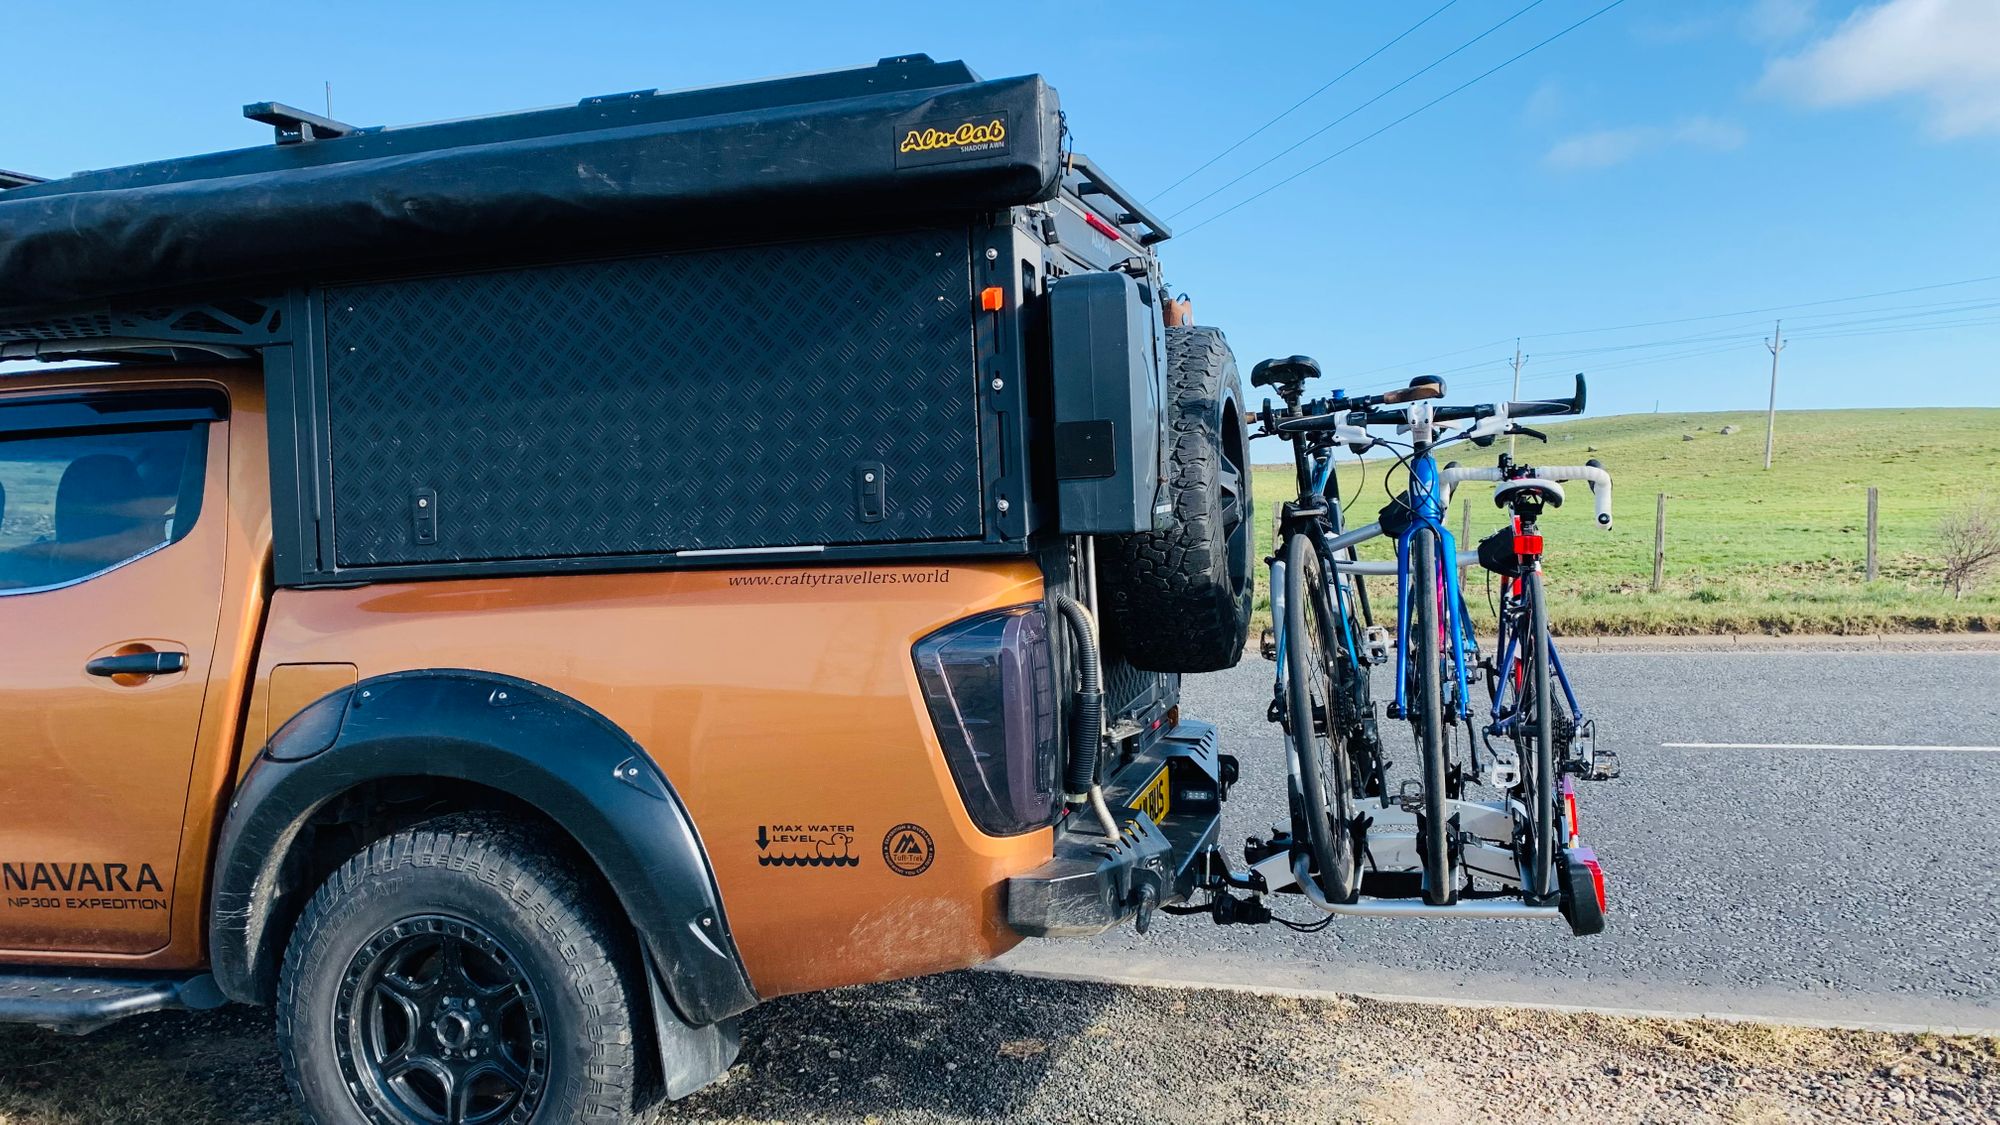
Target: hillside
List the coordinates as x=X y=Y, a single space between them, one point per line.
x=1747 y=549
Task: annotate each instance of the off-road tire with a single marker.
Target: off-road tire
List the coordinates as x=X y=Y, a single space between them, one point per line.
x=1178 y=600
x=510 y=881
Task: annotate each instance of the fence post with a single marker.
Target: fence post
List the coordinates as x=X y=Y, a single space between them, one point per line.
x=1659 y=541
x=1873 y=569
x=1464 y=523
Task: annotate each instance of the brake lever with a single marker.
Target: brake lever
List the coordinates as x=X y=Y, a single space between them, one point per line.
x=1536 y=434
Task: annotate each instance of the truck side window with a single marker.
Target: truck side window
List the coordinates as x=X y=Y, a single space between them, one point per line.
x=74 y=505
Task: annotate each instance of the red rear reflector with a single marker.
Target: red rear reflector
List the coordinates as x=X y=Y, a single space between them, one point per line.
x=992 y=298
x=1570 y=814
x=1596 y=881
x=1102 y=227
x=1527 y=544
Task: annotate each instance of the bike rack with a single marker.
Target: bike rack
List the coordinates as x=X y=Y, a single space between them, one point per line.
x=1407 y=908
x=1395 y=852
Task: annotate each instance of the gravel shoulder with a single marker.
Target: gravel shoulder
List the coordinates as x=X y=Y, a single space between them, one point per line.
x=985 y=1046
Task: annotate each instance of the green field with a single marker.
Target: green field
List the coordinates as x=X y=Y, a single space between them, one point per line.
x=1747 y=550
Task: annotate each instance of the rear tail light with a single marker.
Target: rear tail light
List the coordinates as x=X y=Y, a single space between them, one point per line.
x=989 y=684
x=1588 y=859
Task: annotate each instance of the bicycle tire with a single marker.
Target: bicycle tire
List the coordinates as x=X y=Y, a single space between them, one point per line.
x=1541 y=887
x=1427 y=705
x=1325 y=802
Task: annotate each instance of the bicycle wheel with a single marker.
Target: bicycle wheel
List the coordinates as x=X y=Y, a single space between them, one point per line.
x=1535 y=738
x=1427 y=707
x=1323 y=804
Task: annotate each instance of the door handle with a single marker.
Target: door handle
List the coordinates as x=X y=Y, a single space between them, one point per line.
x=138 y=664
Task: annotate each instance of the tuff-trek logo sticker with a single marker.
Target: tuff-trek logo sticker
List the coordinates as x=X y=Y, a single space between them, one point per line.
x=959 y=138
x=908 y=849
x=806 y=845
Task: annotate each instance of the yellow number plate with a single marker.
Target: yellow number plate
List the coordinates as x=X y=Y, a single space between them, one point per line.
x=1154 y=797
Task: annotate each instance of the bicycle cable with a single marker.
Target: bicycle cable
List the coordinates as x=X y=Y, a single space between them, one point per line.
x=1359 y=485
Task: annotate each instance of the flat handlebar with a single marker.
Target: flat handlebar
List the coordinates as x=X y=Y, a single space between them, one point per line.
x=1532 y=409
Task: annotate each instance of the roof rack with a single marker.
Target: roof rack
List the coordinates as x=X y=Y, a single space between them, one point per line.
x=19 y=179
x=1127 y=211
x=296 y=126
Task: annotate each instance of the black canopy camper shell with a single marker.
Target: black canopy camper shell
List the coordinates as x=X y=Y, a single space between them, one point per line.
x=793 y=320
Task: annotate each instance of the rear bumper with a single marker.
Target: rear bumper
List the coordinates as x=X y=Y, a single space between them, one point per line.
x=1169 y=799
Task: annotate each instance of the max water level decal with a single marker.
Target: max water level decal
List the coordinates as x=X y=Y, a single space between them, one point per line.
x=806 y=845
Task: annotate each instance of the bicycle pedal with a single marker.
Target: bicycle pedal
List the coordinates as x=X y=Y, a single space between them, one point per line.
x=1267 y=645
x=1599 y=765
x=1376 y=642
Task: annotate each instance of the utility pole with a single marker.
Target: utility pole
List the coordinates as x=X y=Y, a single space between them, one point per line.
x=1518 y=357
x=329 y=99
x=1777 y=344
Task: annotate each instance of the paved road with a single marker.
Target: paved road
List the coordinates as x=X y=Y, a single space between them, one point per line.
x=1852 y=886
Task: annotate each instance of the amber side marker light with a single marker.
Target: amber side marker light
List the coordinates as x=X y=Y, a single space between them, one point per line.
x=992 y=298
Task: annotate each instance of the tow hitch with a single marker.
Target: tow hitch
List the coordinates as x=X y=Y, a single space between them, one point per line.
x=1168 y=802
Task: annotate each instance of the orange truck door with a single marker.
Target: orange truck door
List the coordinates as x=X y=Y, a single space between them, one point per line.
x=111 y=567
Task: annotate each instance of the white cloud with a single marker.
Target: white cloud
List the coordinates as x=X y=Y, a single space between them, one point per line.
x=1778 y=20
x=1607 y=147
x=1546 y=103
x=1946 y=52
x=1763 y=21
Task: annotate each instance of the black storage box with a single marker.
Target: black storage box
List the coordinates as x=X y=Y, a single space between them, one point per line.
x=796 y=395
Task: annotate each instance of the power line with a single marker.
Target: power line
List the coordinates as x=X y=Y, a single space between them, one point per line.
x=1417 y=363
x=1481 y=77
x=1433 y=65
x=1900 y=331
x=1427 y=359
x=1735 y=344
x=1769 y=309
x=1254 y=133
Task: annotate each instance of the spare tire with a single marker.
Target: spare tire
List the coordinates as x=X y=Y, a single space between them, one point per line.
x=1178 y=599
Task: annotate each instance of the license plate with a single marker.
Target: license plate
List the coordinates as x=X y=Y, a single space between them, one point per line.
x=1154 y=798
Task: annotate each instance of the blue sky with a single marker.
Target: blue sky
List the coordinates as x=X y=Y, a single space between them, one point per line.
x=1670 y=159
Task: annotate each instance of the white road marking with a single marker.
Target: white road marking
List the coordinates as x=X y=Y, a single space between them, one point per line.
x=1820 y=746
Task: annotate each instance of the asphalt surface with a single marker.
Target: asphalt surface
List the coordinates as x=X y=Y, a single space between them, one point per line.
x=1818 y=885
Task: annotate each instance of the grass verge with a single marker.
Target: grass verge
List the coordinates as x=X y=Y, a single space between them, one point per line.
x=1747 y=550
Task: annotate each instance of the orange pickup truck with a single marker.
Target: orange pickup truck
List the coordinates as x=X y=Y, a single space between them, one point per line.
x=512 y=622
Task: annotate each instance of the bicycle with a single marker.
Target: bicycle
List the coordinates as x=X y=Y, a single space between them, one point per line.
x=1450 y=837
x=1322 y=637
x=1535 y=723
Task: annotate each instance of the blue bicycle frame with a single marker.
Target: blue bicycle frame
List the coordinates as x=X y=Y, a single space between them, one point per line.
x=1428 y=514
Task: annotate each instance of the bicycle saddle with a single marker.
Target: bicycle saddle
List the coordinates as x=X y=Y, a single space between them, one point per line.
x=1550 y=491
x=1291 y=371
